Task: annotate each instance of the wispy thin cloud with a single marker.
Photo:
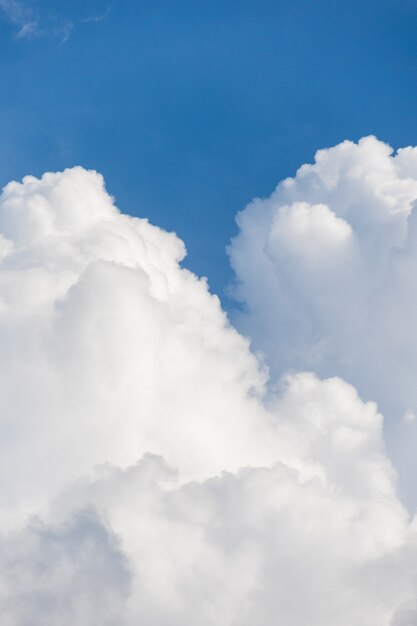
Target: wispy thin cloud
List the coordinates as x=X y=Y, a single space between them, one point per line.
x=22 y=16
x=98 y=17
x=31 y=24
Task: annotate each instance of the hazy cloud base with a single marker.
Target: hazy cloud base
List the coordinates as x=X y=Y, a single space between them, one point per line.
x=151 y=471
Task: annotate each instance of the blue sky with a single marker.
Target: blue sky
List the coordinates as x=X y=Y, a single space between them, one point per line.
x=191 y=108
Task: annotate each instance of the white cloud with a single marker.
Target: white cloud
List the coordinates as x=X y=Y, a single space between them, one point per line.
x=326 y=271
x=149 y=472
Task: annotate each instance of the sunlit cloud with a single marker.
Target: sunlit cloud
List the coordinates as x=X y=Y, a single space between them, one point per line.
x=153 y=469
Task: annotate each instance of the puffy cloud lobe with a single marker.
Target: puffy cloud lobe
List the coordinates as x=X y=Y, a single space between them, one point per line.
x=326 y=273
x=249 y=547
x=103 y=327
x=149 y=471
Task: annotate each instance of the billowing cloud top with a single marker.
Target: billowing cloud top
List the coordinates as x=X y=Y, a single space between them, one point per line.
x=326 y=270
x=150 y=472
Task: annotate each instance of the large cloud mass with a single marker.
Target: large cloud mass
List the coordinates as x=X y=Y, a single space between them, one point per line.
x=150 y=472
x=326 y=269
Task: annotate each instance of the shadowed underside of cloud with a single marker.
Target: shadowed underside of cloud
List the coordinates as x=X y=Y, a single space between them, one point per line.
x=73 y=573
x=150 y=472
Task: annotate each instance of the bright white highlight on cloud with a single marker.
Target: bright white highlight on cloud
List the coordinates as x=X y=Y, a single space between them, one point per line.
x=150 y=471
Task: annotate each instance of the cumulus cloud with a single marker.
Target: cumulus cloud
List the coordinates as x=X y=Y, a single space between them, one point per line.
x=150 y=471
x=326 y=273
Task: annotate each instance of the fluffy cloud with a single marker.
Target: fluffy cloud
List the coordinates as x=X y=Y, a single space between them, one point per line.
x=150 y=472
x=110 y=350
x=326 y=272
